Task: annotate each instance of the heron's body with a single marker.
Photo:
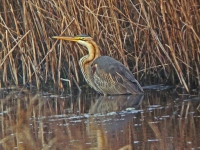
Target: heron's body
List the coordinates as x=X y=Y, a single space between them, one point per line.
x=103 y=73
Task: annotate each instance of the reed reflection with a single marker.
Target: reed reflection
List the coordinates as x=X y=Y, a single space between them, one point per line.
x=36 y=120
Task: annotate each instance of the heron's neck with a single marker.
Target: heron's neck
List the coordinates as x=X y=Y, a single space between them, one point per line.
x=86 y=61
x=93 y=53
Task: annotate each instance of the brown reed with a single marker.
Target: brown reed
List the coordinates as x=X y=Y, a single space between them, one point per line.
x=158 y=40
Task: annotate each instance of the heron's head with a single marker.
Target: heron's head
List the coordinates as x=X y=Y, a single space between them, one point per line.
x=82 y=39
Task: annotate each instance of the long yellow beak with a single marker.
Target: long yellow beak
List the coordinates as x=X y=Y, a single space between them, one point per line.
x=75 y=39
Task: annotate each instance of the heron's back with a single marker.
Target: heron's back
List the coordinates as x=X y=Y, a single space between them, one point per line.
x=112 y=77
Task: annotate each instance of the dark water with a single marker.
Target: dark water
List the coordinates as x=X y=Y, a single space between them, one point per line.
x=159 y=119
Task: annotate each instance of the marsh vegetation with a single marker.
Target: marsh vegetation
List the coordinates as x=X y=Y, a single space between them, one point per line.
x=158 y=40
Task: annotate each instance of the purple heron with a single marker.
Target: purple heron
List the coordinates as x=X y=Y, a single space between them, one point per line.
x=103 y=73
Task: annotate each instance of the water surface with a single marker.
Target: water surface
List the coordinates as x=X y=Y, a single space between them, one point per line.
x=159 y=119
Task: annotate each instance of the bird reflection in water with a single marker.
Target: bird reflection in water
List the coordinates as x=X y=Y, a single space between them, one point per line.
x=117 y=103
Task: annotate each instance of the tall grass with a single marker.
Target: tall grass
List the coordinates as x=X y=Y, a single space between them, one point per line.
x=158 y=40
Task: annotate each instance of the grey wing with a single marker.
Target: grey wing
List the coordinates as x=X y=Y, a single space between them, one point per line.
x=129 y=81
x=116 y=79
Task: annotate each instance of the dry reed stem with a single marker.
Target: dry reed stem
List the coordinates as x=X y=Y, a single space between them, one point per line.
x=172 y=52
x=10 y=52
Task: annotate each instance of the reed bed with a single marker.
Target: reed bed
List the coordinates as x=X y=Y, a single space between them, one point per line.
x=158 y=40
